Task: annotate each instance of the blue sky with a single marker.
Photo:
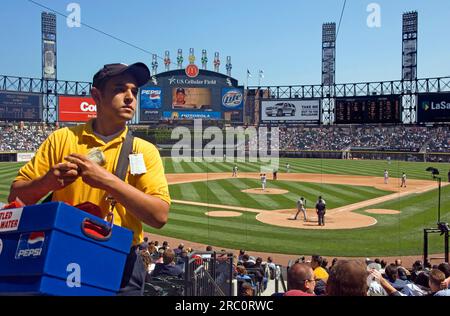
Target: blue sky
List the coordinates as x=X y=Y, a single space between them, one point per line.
x=283 y=38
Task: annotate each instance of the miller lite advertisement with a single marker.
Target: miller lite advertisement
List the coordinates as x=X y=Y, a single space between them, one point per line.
x=232 y=98
x=76 y=109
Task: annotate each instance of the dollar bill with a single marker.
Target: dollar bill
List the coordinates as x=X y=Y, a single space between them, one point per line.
x=97 y=156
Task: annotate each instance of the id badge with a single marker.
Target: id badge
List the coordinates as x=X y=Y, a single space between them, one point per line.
x=137 y=164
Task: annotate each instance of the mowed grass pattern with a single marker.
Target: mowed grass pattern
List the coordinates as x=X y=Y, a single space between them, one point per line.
x=228 y=192
x=413 y=170
x=8 y=171
x=393 y=234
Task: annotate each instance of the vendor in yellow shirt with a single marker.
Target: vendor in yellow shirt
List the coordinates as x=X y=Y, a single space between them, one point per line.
x=61 y=166
x=319 y=272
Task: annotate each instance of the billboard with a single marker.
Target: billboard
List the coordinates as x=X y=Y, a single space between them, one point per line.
x=328 y=66
x=360 y=110
x=76 y=109
x=191 y=98
x=150 y=98
x=190 y=115
x=232 y=99
x=211 y=94
x=433 y=107
x=49 y=58
x=25 y=157
x=290 y=111
x=20 y=106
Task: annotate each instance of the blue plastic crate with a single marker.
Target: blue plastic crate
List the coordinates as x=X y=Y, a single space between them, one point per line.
x=60 y=250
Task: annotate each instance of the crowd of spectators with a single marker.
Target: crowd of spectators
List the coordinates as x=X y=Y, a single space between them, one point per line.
x=28 y=137
x=21 y=137
x=399 y=137
x=366 y=278
x=314 y=277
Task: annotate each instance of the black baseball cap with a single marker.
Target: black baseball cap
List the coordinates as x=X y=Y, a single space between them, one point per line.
x=181 y=90
x=138 y=70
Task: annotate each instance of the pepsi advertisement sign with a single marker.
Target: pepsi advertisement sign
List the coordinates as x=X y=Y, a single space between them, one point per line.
x=150 y=98
x=232 y=98
x=433 y=107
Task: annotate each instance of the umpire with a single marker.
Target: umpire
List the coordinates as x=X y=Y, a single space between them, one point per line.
x=320 y=210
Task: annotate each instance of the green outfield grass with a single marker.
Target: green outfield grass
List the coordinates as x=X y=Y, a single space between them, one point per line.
x=413 y=170
x=228 y=192
x=393 y=234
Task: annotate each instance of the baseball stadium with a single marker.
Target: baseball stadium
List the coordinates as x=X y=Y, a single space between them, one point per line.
x=237 y=159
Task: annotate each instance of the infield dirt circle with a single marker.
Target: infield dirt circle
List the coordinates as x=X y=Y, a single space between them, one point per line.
x=382 y=211
x=223 y=214
x=266 y=191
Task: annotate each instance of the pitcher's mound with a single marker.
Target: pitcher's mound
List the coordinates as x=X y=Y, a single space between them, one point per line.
x=382 y=211
x=344 y=220
x=266 y=191
x=223 y=214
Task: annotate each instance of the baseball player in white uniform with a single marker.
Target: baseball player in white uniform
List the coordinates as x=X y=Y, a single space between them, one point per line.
x=386 y=177
x=263 y=181
x=235 y=170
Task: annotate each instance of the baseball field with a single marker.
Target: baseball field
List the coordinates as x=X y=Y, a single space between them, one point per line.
x=365 y=216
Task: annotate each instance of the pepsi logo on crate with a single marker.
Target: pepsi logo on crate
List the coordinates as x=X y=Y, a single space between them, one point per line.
x=30 y=245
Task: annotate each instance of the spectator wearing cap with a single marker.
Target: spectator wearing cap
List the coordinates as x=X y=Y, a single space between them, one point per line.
x=375 y=288
x=300 y=280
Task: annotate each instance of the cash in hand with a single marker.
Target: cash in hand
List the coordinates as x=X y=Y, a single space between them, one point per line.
x=97 y=156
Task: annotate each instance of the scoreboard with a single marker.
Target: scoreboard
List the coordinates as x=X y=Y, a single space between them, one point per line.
x=360 y=110
x=20 y=106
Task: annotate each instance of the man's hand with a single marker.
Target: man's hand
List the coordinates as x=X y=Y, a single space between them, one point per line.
x=91 y=173
x=60 y=176
x=445 y=284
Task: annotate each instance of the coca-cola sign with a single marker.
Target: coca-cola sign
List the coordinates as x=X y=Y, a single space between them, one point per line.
x=76 y=109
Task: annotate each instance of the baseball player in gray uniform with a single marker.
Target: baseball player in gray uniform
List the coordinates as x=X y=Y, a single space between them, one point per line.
x=403 y=180
x=301 y=207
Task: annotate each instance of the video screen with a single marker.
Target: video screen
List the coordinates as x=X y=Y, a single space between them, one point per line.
x=191 y=98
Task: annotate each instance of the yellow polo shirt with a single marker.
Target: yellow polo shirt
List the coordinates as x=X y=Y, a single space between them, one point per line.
x=80 y=139
x=320 y=274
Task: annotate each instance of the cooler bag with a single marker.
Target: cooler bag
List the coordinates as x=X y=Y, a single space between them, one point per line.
x=57 y=249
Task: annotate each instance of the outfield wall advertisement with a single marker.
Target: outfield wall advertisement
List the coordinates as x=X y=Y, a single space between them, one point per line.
x=290 y=111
